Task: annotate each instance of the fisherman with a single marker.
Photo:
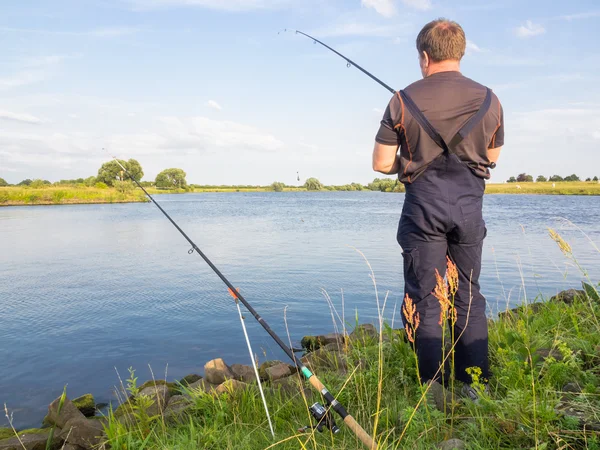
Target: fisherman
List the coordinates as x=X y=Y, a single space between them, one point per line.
x=450 y=131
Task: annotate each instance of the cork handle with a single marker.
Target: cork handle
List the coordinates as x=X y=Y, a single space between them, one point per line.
x=364 y=437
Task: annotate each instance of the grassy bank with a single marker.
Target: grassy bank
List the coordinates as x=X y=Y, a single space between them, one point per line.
x=561 y=188
x=65 y=195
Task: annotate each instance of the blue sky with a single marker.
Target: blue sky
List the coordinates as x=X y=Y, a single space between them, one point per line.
x=211 y=87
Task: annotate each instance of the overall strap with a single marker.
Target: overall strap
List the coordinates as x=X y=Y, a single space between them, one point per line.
x=432 y=132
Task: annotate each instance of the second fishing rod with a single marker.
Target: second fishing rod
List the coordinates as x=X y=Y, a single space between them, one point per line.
x=360 y=433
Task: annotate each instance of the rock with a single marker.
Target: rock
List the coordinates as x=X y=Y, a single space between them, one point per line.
x=366 y=331
x=325 y=360
x=68 y=411
x=86 y=404
x=216 y=371
x=160 y=397
x=177 y=407
x=83 y=432
x=189 y=379
x=203 y=386
x=546 y=353
x=101 y=406
x=289 y=387
x=442 y=398
x=6 y=433
x=532 y=308
x=572 y=388
x=243 y=373
x=173 y=388
x=580 y=413
x=452 y=444
x=127 y=418
x=71 y=447
x=262 y=369
x=231 y=386
x=311 y=343
x=278 y=371
x=31 y=441
x=569 y=296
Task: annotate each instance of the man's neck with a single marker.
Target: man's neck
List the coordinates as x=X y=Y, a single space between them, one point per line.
x=443 y=66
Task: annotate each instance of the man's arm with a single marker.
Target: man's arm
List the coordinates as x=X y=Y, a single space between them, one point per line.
x=493 y=154
x=385 y=159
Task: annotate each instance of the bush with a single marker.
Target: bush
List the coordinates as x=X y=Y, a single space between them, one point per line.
x=171 y=179
x=3 y=182
x=312 y=184
x=101 y=185
x=541 y=179
x=277 y=186
x=123 y=187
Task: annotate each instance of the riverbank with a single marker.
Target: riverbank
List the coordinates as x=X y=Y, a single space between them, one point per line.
x=544 y=393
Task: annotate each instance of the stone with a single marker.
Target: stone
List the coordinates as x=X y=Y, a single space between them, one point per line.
x=173 y=387
x=30 y=441
x=160 y=396
x=569 y=296
x=262 y=369
x=189 y=379
x=86 y=404
x=6 y=433
x=278 y=371
x=71 y=447
x=243 y=373
x=325 y=360
x=452 y=444
x=202 y=386
x=217 y=372
x=68 y=411
x=532 y=308
x=311 y=343
x=572 y=388
x=231 y=386
x=83 y=432
x=177 y=407
x=289 y=387
x=442 y=398
x=545 y=353
x=366 y=331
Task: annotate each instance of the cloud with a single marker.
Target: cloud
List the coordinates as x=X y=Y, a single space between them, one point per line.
x=107 y=32
x=421 y=5
x=358 y=29
x=223 y=5
x=384 y=7
x=579 y=16
x=529 y=29
x=31 y=70
x=474 y=48
x=20 y=117
x=112 y=32
x=214 y=105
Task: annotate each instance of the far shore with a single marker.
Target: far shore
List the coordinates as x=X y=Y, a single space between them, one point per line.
x=79 y=194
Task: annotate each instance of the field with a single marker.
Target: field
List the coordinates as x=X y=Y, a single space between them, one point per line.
x=65 y=195
x=562 y=188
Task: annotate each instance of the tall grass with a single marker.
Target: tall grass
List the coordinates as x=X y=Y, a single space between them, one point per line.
x=61 y=195
x=560 y=188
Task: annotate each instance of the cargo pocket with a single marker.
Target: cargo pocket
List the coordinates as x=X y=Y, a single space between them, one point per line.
x=411 y=266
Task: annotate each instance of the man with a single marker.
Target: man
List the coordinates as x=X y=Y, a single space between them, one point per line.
x=450 y=130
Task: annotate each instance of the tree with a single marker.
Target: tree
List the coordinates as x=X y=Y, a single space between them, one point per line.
x=90 y=181
x=572 y=177
x=3 y=182
x=38 y=183
x=555 y=178
x=541 y=179
x=111 y=171
x=588 y=179
x=277 y=186
x=595 y=179
x=171 y=179
x=511 y=180
x=524 y=178
x=312 y=184
x=25 y=182
x=383 y=184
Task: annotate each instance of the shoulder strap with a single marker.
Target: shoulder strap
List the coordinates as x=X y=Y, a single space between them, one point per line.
x=432 y=132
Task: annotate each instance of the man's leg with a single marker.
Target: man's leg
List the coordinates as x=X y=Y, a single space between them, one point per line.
x=421 y=259
x=471 y=326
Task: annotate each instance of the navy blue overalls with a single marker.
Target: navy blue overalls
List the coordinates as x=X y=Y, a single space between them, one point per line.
x=442 y=216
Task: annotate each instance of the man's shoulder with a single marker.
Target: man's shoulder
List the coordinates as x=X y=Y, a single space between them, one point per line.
x=443 y=80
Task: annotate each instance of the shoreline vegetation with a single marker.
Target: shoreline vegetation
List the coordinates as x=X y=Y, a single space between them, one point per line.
x=79 y=193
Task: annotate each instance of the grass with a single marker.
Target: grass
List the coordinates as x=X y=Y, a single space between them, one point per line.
x=545 y=358
x=561 y=188
x=65 y=195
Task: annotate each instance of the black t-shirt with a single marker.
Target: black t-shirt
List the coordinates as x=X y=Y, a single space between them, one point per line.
x=448 y=100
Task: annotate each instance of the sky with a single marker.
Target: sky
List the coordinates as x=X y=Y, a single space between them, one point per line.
x=221 y=90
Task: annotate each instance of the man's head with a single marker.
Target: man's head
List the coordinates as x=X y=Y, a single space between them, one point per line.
x=441 y=45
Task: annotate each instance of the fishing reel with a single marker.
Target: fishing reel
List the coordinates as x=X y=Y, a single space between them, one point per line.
x=323 y=418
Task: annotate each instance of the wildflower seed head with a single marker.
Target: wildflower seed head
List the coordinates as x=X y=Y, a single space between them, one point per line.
x=562 y=244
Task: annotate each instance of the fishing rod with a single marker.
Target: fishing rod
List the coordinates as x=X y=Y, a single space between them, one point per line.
x=349 y=62
x=364 y=437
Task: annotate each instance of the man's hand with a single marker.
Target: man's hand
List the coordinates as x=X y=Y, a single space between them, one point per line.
x=493 y=154
x=385 y=159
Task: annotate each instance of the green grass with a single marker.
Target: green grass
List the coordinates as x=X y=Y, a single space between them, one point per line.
x=63 y=195
x=561 y=188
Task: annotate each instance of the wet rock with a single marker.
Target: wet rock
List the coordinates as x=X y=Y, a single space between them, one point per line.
x=68 y=411
x=86 y=404
x=325 y=360
x=160 y=397
x=569 y=296
x=216 y=371
x=364 y=332
x=83 y=432
x=177 y=408
x=311 y=343
x=30 y=441
x=189 y=379
x=545 y=353
x=231 y=386
x=243 y=373
x=452 y=444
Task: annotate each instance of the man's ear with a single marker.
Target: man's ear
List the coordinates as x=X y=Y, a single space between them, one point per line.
x=425 y=58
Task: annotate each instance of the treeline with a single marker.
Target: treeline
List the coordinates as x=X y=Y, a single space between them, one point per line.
x=525 y=178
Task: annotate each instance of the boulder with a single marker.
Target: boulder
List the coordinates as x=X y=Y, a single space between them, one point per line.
x=173 y=387
x=366 y=331
x=262 y=369
x=311 y=343
x=86 y=404
x=325 y=360
x=203 y=386
x=545 y=353
x=243 y=373
x=30 y=441
x=289 y=386
x=177 y=407
x=86 y=433
x=569 y=296
x=189 y=379
x=216 y=371
x=572 y=388
x=452 y=444
x=532 y=308
x=68 y=411
x=442 y=397
x=231 y=386
x=278 y=371
x=160 y=396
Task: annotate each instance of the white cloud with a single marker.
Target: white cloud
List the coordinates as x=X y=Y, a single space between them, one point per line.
x=529 y=29
x=225 y=5
x=578 y=16
x=384 y=7
x=214 y=105
x=20 y=117
x=378 y=111
x=472 y=47
x=421 y=5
